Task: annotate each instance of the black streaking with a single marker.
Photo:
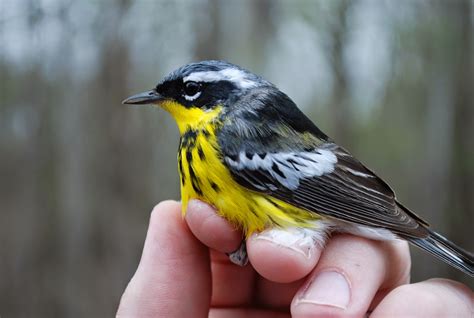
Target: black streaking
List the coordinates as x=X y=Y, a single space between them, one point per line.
x=181 y=172
x=305 y=158
x=283 y=163
x=277 y=170
x=201 y=154
x=180 y=167
x=255 y=179
x=192 y=175
x=295 y=164
x=253 y=211
x=189 y=156
x=206 y=133
x=194 y=180
x=188 y=140
x=215 y=187
x=273 y=220
x=274 y=203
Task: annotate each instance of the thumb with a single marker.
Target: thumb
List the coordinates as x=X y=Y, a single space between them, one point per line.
x=173 y=277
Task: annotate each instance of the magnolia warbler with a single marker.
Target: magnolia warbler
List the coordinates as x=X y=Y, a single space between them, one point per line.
x=246 y=149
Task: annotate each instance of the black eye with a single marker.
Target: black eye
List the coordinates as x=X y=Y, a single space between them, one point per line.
x=192 y=88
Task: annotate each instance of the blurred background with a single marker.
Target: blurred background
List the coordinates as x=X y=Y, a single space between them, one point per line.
x=392 y=81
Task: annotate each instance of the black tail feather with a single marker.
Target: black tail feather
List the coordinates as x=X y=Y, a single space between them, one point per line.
x=447 y=251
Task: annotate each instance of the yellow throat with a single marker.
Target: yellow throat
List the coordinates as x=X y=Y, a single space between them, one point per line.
x=190 y=118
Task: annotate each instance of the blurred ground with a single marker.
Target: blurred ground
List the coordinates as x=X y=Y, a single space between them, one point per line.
x=80 y=173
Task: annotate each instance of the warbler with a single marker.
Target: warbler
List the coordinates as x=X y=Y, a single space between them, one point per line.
x=246 y=149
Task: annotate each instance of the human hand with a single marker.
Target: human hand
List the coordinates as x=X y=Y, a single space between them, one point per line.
x=183 y=273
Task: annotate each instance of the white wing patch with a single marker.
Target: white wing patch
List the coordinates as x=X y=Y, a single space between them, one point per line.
x=288 y=168
x=238 y=77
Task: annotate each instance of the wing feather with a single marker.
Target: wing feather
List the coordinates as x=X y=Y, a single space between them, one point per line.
x=271 y=147
x=342 y=188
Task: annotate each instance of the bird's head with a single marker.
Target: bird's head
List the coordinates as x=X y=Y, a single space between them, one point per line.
x=198 y=92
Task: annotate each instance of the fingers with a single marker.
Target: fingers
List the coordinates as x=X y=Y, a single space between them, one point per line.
x=278 y=255
x=173 y=262
x=283 y=255
x=276 y=296
x=245 y=313
x=210 y=228
x=348 y=275
x=232 y=285
x=432 y=298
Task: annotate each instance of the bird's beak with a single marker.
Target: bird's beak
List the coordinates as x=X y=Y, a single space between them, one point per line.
x=150 y=97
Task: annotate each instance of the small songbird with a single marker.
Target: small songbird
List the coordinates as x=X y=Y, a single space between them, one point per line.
x=246 y=149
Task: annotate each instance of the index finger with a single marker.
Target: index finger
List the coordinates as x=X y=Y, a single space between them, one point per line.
x=211 y=229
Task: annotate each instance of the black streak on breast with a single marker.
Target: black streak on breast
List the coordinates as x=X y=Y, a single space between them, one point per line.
x=180 y=167
x=192 y=175
x=187 y=144
x=188 y=140
x=201 y=154
x=214 y=186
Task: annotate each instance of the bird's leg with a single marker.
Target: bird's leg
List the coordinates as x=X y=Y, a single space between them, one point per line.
x=239 y=256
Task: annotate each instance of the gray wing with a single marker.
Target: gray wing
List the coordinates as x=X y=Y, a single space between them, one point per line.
x=326 y=180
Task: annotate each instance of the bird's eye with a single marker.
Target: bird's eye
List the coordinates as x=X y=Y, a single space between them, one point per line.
x=191 y=88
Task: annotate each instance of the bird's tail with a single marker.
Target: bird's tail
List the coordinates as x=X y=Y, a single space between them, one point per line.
x=447 y=251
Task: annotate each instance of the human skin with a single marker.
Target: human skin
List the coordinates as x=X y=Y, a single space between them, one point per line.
x=184 y=272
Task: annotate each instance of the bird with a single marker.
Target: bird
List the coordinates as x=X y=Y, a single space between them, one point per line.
x=246 y=149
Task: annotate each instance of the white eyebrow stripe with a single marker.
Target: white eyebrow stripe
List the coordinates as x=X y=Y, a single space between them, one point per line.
x=236 y=76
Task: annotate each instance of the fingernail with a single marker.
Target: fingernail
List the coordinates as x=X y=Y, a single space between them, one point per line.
x=328 y=288
x=294 y=239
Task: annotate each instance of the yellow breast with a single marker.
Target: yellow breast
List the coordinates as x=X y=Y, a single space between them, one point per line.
x=205 y=177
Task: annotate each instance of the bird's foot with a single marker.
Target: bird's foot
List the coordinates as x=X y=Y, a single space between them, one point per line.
x=239 y=256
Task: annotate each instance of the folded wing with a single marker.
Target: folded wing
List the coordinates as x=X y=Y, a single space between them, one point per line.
x=326 y=180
